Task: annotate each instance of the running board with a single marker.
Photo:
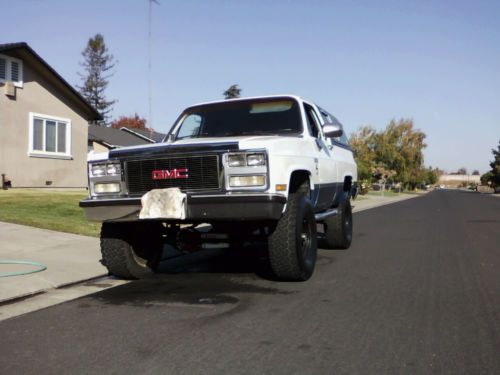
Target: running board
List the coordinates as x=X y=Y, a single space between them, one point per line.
x=323 y=215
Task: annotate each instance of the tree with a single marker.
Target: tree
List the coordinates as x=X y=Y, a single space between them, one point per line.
x=363 y=145
x=398 y=148
x=431 y=175
x=131 y=122
x=476 y=172
x=382 y=175
x=462 y=170
x=486 y=178
x=232 y=92
x=97 y=65
x=495 y=169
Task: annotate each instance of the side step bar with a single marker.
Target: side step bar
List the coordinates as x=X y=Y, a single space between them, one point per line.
x=323 y=215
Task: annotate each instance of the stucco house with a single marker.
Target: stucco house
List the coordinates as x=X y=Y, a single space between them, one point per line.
x=43 y=123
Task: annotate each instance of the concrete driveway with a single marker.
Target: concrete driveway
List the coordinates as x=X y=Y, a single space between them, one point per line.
x=69 y=258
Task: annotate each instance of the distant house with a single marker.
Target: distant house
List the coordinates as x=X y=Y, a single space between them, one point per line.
x=456 y=180
x=43 y=123
x=102 y=138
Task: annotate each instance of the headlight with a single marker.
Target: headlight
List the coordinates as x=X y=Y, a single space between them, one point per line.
x=113 y=169
x=104 y=188
x=98 y=170
x=244 y=159
x=236 y=160
x=109 y=169
x=242 y=181
x=256 y=160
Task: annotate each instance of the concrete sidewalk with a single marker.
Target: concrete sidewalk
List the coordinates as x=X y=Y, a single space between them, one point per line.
x=69 y=258
x=365 y=202
x=72 y=258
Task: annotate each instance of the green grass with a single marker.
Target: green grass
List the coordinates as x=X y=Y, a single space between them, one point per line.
x=55 y=210
x=361 y=197
x=386 y=193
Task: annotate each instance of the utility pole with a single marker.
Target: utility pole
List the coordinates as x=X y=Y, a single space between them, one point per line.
x=150 y=79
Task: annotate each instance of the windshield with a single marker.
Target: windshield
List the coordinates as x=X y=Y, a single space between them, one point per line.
x=279 y=116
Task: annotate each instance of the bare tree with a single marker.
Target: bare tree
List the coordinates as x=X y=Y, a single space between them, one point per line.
x=97 y=64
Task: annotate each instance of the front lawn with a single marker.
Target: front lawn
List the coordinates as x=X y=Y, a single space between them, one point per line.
x=55 y=210
x=385 y=193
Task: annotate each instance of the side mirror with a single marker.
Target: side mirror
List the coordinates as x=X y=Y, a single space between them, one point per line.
x=332 y=130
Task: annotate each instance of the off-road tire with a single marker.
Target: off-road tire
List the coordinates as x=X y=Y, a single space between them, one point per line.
x=338 y=228
x=292 y=246
x=131 y=251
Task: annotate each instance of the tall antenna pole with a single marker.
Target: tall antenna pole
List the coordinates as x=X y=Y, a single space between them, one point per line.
x=150 y=45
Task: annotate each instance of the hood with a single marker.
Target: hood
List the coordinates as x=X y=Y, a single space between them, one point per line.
x=197 y=145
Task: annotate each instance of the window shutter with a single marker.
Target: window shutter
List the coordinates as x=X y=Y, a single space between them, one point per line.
x=3 y=68
x=14 y=71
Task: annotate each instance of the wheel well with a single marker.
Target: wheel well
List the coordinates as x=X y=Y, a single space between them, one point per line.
x=347 y=183
x=296 y=180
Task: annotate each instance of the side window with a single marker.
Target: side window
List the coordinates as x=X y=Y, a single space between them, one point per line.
x=343 y=139
x=327 y=117
x=49 y=136
x=190 y=127
x=312 y=121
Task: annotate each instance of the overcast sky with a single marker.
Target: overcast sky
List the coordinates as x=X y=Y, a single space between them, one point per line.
x=367 y=62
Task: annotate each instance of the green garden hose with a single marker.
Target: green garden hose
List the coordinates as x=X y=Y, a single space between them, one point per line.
x=41 y=267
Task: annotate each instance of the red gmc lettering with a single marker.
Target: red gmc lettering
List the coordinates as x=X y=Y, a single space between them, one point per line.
x=165 y=174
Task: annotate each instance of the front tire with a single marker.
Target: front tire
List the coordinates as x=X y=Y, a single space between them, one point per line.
x=293 y=243
x=131 y=251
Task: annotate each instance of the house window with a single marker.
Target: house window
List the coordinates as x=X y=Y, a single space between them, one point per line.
x=11 y=69
x=49 y=136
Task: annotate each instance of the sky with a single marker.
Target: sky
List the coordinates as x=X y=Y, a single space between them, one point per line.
x=366 y=62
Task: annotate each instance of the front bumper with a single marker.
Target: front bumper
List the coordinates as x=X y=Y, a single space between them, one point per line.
x=213 y=207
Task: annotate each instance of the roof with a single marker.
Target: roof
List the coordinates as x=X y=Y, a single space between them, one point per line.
x=298 y=98
x=150 y=135
x=94 y=115
x=113 y=138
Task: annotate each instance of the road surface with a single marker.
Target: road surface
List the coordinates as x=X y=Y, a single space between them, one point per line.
x=417 y=293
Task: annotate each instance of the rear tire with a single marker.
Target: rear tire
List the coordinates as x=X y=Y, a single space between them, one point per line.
x=131 y=251
x=292 y=246
x=338 y=228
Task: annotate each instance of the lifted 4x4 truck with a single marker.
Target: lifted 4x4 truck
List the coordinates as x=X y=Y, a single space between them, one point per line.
x=269 y=168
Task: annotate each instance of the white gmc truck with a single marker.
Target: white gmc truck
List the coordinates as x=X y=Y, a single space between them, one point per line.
x=268 y=168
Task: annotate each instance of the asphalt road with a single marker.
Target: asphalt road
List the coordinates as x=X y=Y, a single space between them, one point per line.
x=417 y=293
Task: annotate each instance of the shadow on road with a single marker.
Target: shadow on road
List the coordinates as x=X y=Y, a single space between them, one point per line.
x=184 y=289
x=208 y=277
x=247 y=259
